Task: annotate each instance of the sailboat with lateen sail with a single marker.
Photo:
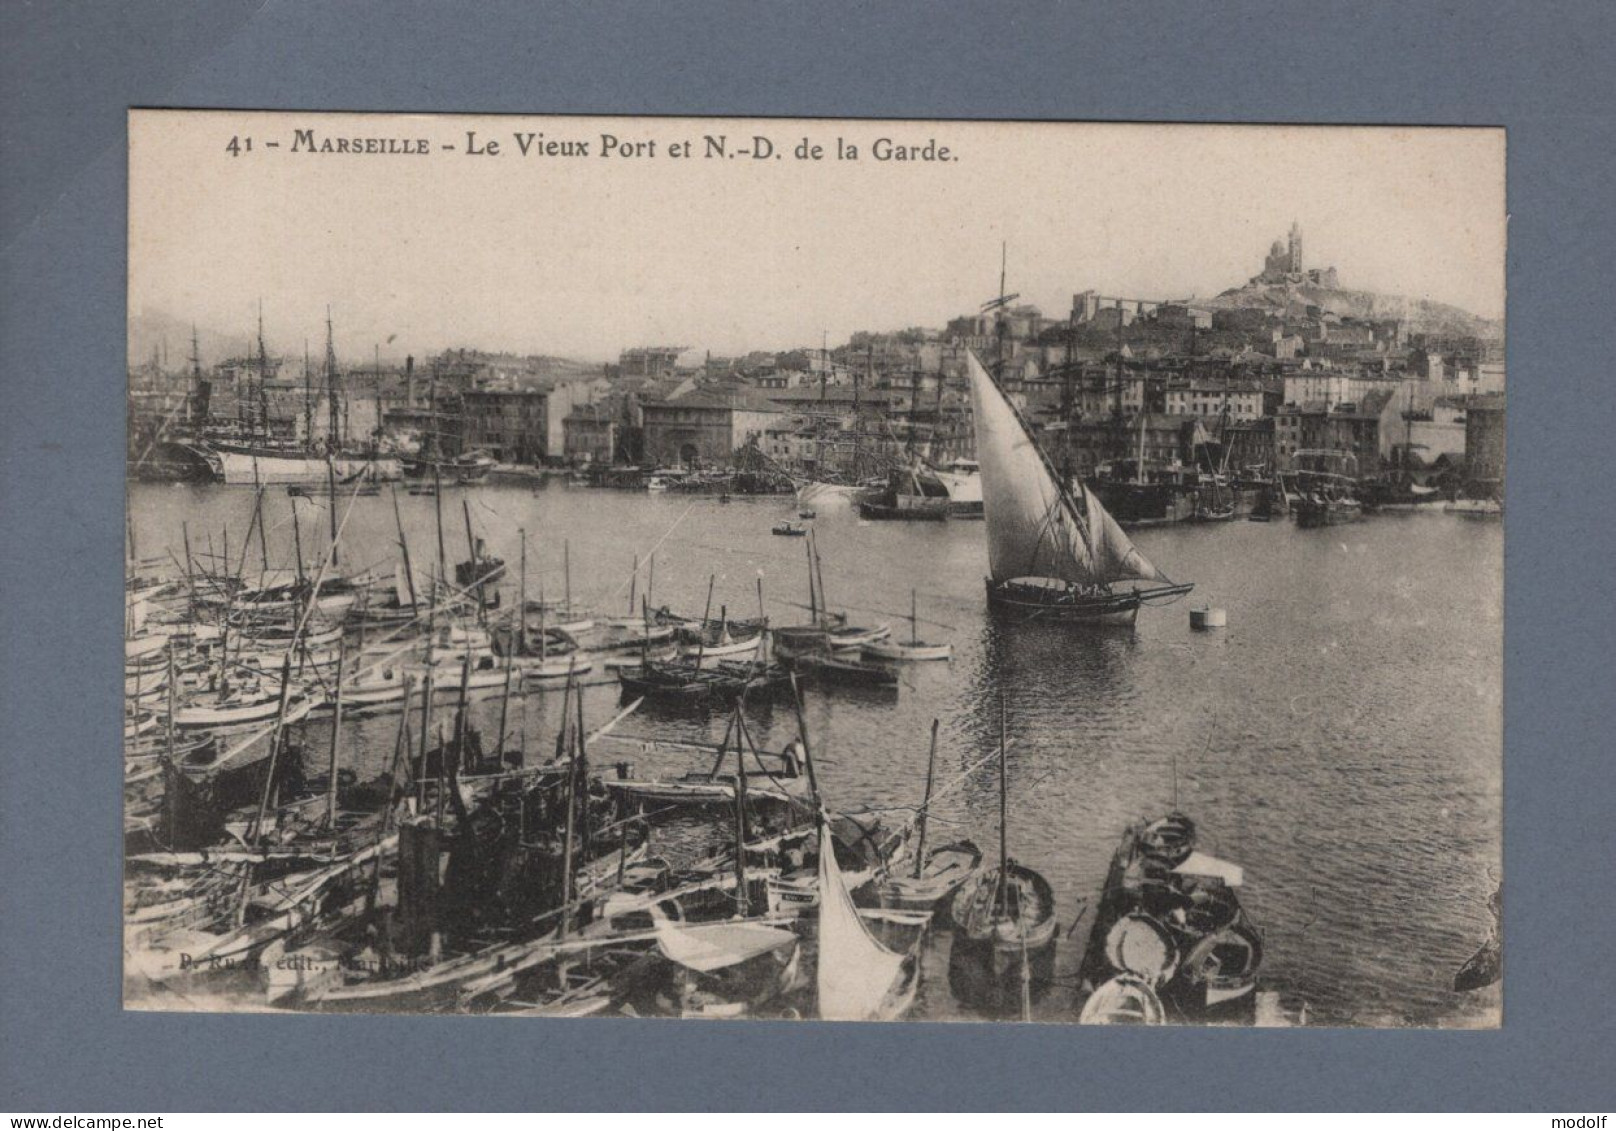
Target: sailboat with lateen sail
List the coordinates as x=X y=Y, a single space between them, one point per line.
x=1054 y=552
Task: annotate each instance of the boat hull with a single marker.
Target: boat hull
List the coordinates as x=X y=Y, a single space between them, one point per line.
x=893 y=650
x=1311 y=514
x=999 y=952
x=197 y=715
x=986 y=973
x=835 y=669
x=1025 y=602
x=712 y=653
x=813 y=491
x=889 y=512
x=243 y=467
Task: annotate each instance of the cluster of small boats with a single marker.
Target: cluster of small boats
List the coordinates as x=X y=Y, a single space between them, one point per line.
x=473 y=875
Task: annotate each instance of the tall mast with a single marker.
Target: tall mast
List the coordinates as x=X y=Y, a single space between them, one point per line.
x=521 y=599
x=1122 y=392
x=336 y=730
x=701 y=641
x=334 y=438
x=1139 y=464
x=1004 y=828
x=437 y=508
x=858 y=428
x=740 y=815
x=263 y=375
x=331 y=483
x=476 y=564
x=819 y=572
x=404 y=548
x=196 y=374
x=376 y=436
x=297 y=544
x=308 y=400
x=1001 y=328
x=429 y=442
x=813 y=596
x=925 y=805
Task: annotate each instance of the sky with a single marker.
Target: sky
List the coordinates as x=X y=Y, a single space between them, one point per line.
x=584 y=256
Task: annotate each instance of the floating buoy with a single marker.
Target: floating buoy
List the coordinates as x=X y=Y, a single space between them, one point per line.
x=1207 y=617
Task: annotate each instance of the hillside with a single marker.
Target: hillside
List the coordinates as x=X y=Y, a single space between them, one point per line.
x=150 y=330
x=1419 y=316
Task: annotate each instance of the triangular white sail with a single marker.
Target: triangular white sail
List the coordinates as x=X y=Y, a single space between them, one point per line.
x=856 y=973
x=1033 y=530
x=1115 y=556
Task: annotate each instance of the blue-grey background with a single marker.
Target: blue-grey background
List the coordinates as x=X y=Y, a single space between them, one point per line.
x=69 y=71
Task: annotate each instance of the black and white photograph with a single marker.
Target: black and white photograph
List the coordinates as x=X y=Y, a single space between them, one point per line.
x=821 y=569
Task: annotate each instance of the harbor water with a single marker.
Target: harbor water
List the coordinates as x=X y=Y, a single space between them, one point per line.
x=1341 y=738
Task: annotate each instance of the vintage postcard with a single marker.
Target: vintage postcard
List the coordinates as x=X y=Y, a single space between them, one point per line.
x=848 y=570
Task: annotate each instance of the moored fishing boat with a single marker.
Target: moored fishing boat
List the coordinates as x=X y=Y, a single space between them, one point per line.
x=912 y=494
x=851 y=636
x=1124 y=1000
x=1004 y=938
x=145 y=650
x=1005 y=930
x=908 y=650
x=1169 y=918
x=553 y=669
x=231 y=706
x=726 y=646
x=684 y=681
x=1326 y=484
x=563 y=616
x=1054 y=552
x=1320 y=507
x=940 y=874
x=914 y=648
x=137 y=722
x=1475 y=508
x=829 y=667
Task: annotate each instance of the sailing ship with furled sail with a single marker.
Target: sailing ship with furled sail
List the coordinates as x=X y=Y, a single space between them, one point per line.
x=1054 y=552
x=255 y=455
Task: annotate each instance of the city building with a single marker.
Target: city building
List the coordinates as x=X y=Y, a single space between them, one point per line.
x=1162 y=439
x=592 y=433
x=1299 y=427
x=650 y=361
x=1429 y=435
x=1240 y=400
x=1367 y=429
x=706 y=426
x=517 y=425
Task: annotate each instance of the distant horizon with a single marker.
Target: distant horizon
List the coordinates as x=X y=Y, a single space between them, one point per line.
x=579 y=260
x=240 y=345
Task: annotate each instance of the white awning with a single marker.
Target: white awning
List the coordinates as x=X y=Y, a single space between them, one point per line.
x=1200 y=864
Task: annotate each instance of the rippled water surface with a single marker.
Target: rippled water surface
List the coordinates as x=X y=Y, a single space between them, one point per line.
x=1341 y=739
